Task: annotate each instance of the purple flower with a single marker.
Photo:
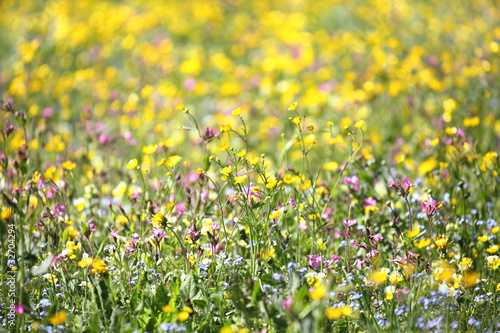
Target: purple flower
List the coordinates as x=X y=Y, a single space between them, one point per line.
x=335 y=258
x=314 y=260
x=369 y=202
x=430 y=206
x=114 y=233
x=353 y=181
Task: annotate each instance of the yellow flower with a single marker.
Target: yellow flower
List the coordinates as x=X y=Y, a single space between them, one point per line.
x=151 y=149
x=98 y=266
x=492 y=249
x=225 y=128
x=240 y=179
x=173 y=160
x=158 y=220
x=254 y=160
x=58 y=318
x=226 y=171
x=236 y=112
x=493 y=262
x=224 y=146
x=183 y=316
x=132 y=164
x=242 y=153
x=318 y=293
x=122 y=219
x=413 y=233
x=400 y=158
x=180 y=107
x=441 y=242
x=85 y=263
x=389 y=292
x=465 y=262
x=330 y=166
x=296 y=120
x=268 y=253
x=199 y=171
x=167 y=308
x=494 y=230
x=49 y=173
x=378 y=276
x=306 y=185
x=395 y=278
x=482 y=239
x=292 y=106
x=275 y=215
x=7 y=213
x=68 y=165
x=161 y=162
x=359 y=124
x=333 y=313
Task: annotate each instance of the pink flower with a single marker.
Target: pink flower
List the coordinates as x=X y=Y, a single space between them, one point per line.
x=335 y=258
x=369 y=202
x=378 y=238
x=314 y=261
x=114 y=233
x=349 y=222
x=372 y=253
x=19 y=308
x=353 y=181
x=358 y=263
x=430 y=206
x=288 y=302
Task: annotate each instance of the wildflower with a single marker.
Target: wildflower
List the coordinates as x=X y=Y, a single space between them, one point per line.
x=236 y=112
x=403 y=188
x=359 y=124
x=314 y=261
x=148 y=150
x=85 y=263
x=465 y=263
x=317 y=293
x=413 y=233
x=399 y=159
x=422 y=243
x=306 y=185
x=224 y=146
x=254 y=160
x=389 y=292
x=180 y=107
x=275 y=215
x=431 y=206
x=183 y=316
x=333 y=313
x=492 y=249
x=242 y=153
x=441 y=242
x=349 y=222
x=296 y=120
x=268 y=253
x=378 y=276
x=58 y=319
x=68 y=165
x=493 y=262
x=483 y=238
x=240 y=179
x=98 y=266
x=159 y=220
x=173 y=160
x=7 y=213
x=292 y=106
x=132 y=164
x=167 y=308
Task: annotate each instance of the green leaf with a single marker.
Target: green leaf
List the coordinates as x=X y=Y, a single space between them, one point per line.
x=189 y=289
x=44 y=266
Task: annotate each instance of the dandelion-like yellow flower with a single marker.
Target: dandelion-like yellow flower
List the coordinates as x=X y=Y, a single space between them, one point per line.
x=483 y=238
x=492 y=249
x=441 y=242
x=7 y=213
x=292 y=106
x=236 y=112
x=58 y=319
x=99 y=266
